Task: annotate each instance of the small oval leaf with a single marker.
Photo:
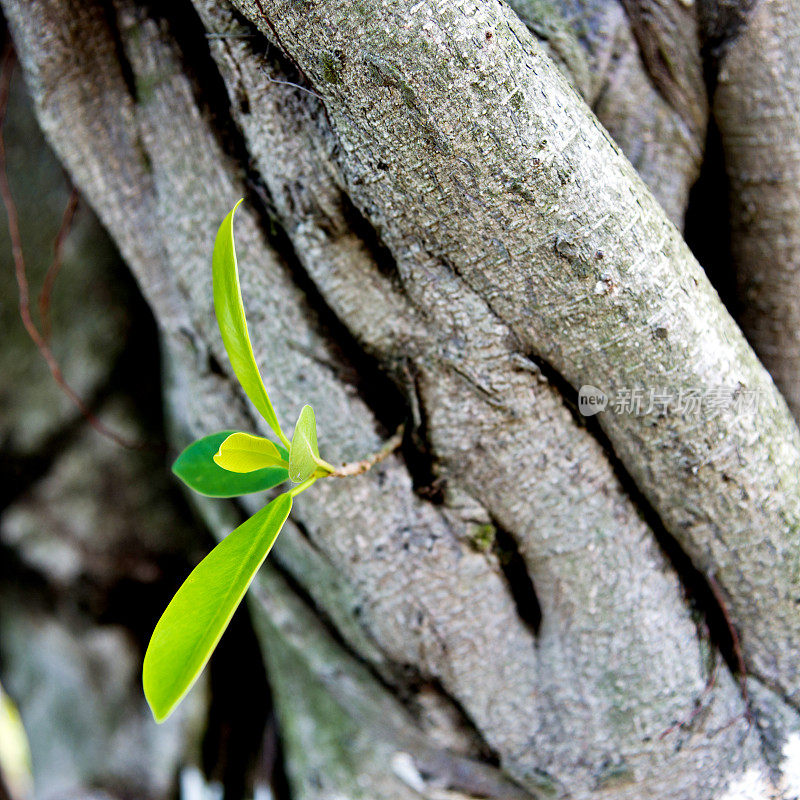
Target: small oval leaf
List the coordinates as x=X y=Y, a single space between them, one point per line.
x=196 y=468
x=233 y=324
x=197 y=616
x=243 y=453
x=303 y=451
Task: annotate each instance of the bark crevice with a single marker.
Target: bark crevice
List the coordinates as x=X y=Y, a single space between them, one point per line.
x=519 y=580
x=694 y=581
x=402 y=681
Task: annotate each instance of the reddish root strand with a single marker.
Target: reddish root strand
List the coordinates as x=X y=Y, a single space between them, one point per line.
x=7 y=64
x=55 y=266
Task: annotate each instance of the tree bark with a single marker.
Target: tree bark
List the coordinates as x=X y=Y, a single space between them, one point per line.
x=757 y=107
x=441 y=230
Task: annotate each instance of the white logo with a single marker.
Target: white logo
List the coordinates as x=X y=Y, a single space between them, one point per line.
x=591 y=401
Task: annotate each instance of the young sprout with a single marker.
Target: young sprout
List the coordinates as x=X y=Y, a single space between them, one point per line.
x=230 y=464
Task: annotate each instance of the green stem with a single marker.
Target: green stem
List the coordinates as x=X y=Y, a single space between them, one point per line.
x=323 y=465
x=301 y=487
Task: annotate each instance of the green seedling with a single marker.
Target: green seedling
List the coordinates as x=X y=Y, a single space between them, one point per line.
x=230 y=464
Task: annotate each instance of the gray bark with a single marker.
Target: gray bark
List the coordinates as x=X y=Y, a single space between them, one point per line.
x=757 y=107
x=588 y=232
x=446 y=199
x=657 y=117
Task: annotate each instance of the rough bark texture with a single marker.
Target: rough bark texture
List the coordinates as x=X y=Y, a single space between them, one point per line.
x=584 y=269
x=657 y=117
x=442 y=230
x=757 y=107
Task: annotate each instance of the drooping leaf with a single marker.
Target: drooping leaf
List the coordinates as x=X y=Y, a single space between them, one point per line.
x=303 y=451
x=196 y=468
x=243 y=453
x=233 y=325
x=197 y=616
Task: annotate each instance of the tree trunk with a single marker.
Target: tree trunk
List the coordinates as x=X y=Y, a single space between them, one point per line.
x=441 y=231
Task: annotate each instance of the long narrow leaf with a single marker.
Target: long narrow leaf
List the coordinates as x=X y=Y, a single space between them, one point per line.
x=195 y=620
x=233 y=324
x=196 y=468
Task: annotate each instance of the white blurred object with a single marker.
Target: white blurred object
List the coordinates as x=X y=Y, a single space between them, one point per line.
x=195 y=787
x=263 y=792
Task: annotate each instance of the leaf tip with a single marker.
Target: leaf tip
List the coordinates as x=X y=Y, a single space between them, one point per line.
x=159 y=717
x=157 y=709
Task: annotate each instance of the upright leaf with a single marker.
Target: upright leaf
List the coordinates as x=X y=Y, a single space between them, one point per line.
x=233 y=325
x=241 y=452
x=196 y=468
x=195 y=620
x=303 y=451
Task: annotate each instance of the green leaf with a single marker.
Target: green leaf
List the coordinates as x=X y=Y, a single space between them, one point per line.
x=233 y=325
x=196 y=468
x=304 y=458
x=303 y=451
x=243 y=453
x=197 y=616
